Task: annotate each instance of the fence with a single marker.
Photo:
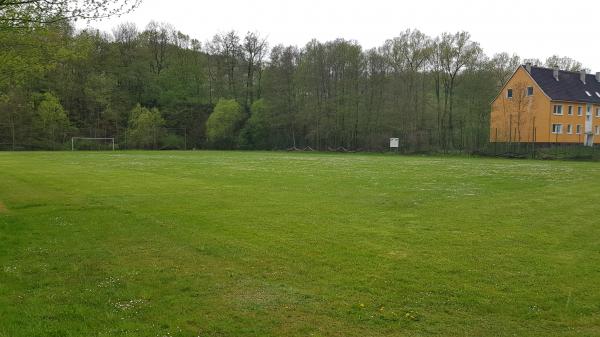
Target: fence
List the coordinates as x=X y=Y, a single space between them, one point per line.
x=27 y=139
x=411 y=142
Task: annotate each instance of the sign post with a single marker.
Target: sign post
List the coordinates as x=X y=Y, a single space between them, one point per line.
x=394 y=144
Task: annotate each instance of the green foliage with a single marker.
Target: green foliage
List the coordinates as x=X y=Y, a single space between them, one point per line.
x=98 y=89
x=172 y=142
x=28 y=55
x=24 y=14
x=255 y=133
x=223 y=124
x=51 y=122
x=431 y=92
x=564 y=63
x=253 y=244
x=145 y=128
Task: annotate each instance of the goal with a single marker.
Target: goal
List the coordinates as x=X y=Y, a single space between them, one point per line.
x=109 y=141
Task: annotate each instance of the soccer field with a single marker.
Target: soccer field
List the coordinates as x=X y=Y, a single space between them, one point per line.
x=296 y=244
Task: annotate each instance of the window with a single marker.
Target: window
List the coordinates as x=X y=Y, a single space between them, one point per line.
x=558 y=110
x=588 y=93
x=597 y=129
x=578 y=129
x=598 y=112
x=598 y=94
x=589 y=110
x=557 y=128
x=579 y=111
x=570 y=110
x=570 y=129
x=529 y=91
x=509 y=93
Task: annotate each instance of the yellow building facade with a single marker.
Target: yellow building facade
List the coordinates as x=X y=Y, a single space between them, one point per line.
x=542 y=105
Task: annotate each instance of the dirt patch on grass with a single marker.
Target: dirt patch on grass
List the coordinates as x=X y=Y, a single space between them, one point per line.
x=3 y=208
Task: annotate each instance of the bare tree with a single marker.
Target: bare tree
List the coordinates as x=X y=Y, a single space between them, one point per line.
x=126 y=38
x=517 y=109
x=456 y=51
x=226 y=46
x=416 y=50
x=254 y=51
x=564 y=63
x=502 y=66
x=158 y=36
x=214 y=66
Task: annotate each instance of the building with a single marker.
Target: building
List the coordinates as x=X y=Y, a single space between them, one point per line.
x=542 y=105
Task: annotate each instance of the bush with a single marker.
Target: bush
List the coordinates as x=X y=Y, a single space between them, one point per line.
x=223 y=124
x=172 y=142
x=145 y=127
x=255 y=134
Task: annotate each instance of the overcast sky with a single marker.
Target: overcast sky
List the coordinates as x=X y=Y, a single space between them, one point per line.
x=530 y=28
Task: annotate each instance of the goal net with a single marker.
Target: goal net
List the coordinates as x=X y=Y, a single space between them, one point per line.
x=90 y=143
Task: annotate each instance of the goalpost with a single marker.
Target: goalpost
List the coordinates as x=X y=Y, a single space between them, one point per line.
x=73 y=139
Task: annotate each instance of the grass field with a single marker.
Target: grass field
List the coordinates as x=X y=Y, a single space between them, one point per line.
x=280 y=244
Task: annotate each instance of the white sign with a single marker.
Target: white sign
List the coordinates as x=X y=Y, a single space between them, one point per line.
x=394 y=142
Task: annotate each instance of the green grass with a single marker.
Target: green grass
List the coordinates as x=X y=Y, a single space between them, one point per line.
x=286 y=244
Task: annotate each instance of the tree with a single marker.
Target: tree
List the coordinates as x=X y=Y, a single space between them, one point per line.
x=520 y=120
x=413 y=50
x=255 y=134
x=455 y=52
x=282 y=93
x=99 y=91
x=126 y=40
x=145 y=127
x=227 y=49
x=502 y=67
x=564 y=63
x=27 y=13
x=432 y=93
x=158 y=36
x=8 y=116
x=51 y=120
x=375 y=98
x=223 y=124
x=254 y=51
x=534 y=61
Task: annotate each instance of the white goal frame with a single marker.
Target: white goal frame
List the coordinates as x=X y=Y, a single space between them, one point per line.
x=91 y=138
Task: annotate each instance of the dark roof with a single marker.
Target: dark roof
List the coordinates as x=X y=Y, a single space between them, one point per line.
x=568 y=87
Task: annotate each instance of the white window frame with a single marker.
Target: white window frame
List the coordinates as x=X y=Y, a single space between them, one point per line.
x=579 y=111
x=597 y=130
x=560 y=108
x=510 y=93
x=558 y=127
x=570 y=110
x=597 y=112
x=570 y=129
x=578 y=129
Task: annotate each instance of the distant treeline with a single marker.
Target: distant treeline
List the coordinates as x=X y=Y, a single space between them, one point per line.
x=158 y=88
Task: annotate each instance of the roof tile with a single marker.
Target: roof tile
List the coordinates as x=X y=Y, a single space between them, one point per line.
x=569 y=86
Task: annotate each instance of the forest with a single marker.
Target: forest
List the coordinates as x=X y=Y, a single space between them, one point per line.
x=155 y=87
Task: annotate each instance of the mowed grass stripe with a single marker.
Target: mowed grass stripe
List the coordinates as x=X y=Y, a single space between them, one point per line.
x=273 y=244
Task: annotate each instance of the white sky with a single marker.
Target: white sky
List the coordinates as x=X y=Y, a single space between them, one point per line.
x=530 y=28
